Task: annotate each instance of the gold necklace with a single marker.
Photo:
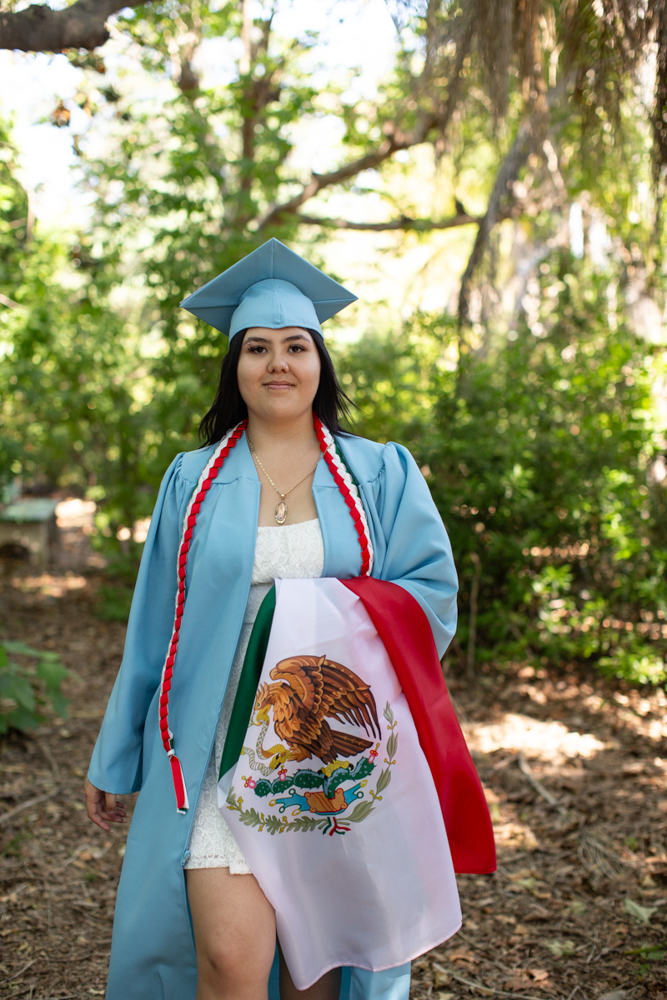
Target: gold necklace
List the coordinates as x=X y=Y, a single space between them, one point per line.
x=281 y=509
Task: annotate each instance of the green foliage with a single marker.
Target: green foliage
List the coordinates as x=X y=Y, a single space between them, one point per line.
x=113 y=598
x=537 y=427
x=113 y=602
x=536 y=451
x=27 y=685
x=69 y=373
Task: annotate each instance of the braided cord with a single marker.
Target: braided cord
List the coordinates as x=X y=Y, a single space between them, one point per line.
x=350 y=493
x=209 y=473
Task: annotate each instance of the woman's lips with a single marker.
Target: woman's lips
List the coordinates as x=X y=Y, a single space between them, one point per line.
x=279 y=385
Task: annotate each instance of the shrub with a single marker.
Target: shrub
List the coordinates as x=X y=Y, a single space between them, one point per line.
x=538 y=447
x=27 y=685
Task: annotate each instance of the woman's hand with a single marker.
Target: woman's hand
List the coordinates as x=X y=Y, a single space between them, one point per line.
x=103 y=807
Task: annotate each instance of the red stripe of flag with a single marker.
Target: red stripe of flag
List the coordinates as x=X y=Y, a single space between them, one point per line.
x=406 y=633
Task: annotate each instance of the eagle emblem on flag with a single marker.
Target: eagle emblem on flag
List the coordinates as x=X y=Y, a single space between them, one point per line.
x=309 y=690
x=304 y=694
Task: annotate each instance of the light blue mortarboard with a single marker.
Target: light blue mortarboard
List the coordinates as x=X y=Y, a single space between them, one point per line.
x=271 y=287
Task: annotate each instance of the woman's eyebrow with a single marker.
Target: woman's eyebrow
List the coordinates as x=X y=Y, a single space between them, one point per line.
x=286 y=340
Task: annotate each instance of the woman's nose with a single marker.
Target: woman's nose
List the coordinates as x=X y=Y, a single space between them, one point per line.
x=279 y=362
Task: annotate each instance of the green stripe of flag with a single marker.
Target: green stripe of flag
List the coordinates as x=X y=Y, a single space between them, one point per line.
x=247 y=689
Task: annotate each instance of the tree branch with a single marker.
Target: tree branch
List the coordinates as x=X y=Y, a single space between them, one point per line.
x=39 y=28
x=507 y=174
x=395 y=140
x=403 y=223
x=530 y=134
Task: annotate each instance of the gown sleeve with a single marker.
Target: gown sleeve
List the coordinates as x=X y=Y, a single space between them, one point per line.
x=116 y=764
x=418 y=554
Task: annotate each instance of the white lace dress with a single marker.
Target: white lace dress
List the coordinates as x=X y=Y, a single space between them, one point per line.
x=292 y=552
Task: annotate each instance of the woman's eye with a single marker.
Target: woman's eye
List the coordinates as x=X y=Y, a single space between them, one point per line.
x=298 y=348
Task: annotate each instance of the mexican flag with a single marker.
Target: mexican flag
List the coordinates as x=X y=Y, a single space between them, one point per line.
x=345 y=778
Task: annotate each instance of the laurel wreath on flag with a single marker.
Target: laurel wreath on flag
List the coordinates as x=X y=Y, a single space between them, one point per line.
x=326 y=824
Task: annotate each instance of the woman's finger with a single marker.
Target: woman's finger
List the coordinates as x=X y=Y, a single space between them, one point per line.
x=114 y=808
x=103 y=807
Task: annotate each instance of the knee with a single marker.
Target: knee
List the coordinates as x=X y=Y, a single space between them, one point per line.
x=221 y=959
x=231 y=963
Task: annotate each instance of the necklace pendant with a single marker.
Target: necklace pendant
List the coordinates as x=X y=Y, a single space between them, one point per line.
x=281 y=512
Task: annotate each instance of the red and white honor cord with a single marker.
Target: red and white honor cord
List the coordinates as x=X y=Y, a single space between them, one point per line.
x=348 y=488
x=351 y=496
x=211 y=469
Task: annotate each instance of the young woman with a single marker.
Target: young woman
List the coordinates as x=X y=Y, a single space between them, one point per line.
x=273 y=510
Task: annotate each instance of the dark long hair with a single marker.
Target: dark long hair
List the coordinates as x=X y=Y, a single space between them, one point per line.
x=331 y=404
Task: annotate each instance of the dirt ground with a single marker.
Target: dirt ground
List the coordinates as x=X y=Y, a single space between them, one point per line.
x=575 y=771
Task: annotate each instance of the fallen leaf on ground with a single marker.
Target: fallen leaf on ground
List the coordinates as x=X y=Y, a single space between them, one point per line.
x=539 y=975
x=642 y=914
x=442 y=978
x=462 y=956
x=518 y=981
x=560 y=948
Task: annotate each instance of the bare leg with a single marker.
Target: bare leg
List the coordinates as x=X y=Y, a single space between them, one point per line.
x=235 y=934
x=326 y=988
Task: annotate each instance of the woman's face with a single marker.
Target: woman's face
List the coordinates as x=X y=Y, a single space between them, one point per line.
x=278 y=372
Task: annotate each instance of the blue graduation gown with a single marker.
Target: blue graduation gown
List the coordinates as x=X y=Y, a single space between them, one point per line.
x=153 y=954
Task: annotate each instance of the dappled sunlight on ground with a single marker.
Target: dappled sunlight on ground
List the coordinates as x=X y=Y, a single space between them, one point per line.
x=546 y=740
x=48 y=584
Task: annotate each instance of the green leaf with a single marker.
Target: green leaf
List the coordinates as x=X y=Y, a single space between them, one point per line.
x=59 y=704
x=20 y=648
x=383 y=780
x=52 y=672
x=306 y=824
x=652 y=952
x=642 y=914
x=360 y=812
x=28 y=686
x=560 y=949
x=22 y=719
x=250 y=817
x=20 y=690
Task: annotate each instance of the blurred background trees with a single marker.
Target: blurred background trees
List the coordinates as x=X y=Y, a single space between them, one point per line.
x=518 y=149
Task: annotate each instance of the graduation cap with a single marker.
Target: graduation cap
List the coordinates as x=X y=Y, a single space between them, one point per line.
x=271 y=287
